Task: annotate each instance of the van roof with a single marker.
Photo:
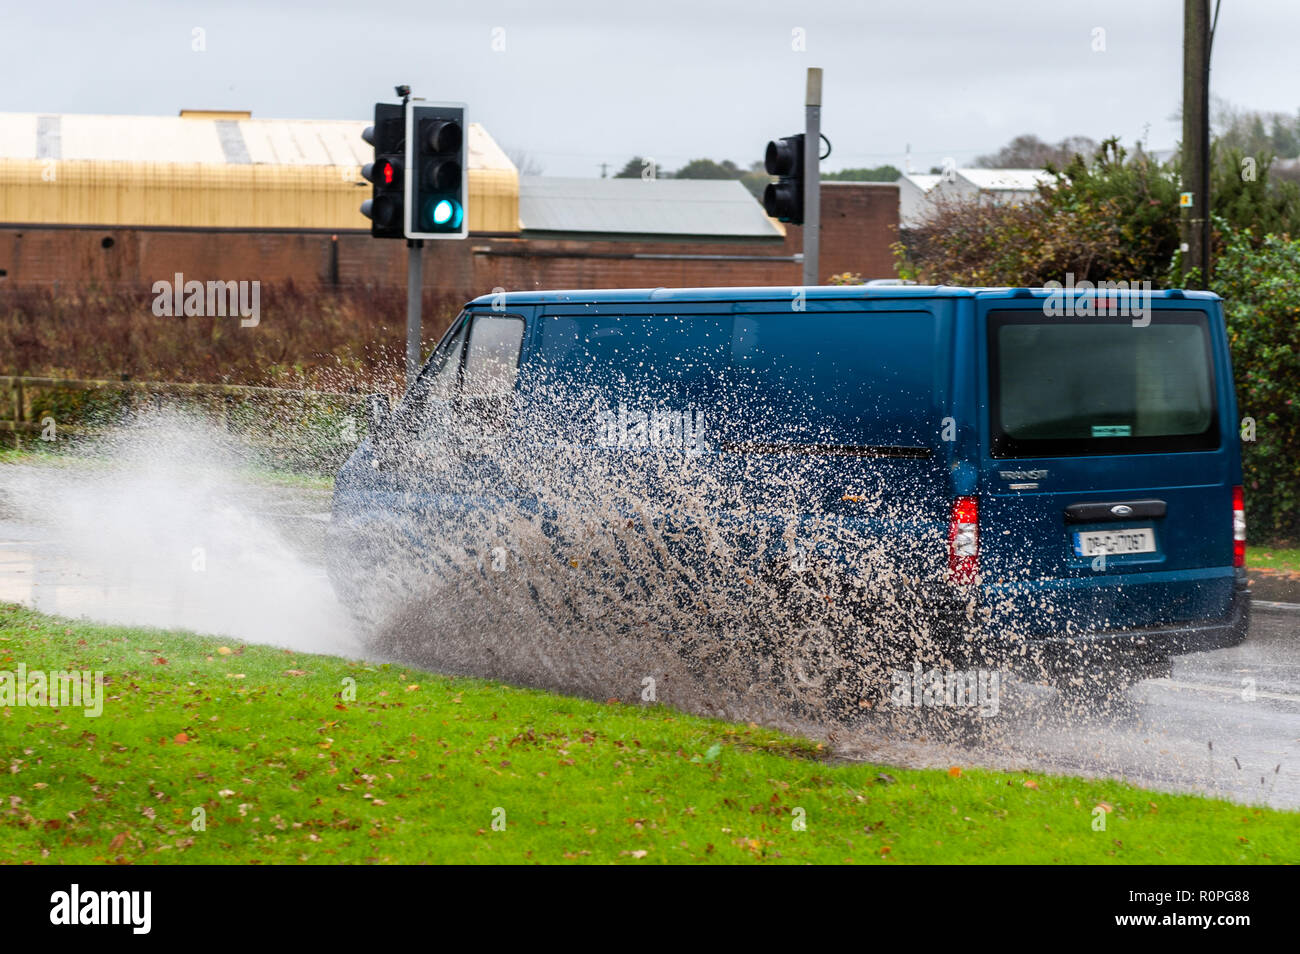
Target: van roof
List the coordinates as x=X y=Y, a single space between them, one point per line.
x=782 y=293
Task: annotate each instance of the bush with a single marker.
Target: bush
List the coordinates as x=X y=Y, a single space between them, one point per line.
x=1108 y=218
x=326 y=339
x=1260 y=285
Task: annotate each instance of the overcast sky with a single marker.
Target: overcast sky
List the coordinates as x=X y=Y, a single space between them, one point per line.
x=580 y=82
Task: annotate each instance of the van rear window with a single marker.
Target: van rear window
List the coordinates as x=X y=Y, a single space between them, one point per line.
x=1084 y=386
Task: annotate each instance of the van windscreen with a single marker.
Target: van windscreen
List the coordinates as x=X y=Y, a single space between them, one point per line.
x=1084 y=386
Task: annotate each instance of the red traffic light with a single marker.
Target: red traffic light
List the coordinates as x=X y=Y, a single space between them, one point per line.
x=386 y=174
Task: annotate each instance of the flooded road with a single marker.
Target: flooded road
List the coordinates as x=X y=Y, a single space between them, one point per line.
x=245 y=561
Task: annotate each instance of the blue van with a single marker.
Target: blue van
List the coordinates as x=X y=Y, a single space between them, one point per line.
x=1041 y=479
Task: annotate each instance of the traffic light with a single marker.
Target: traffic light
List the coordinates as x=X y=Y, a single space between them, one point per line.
x=783 y=199
x=387 y=172
x=437 y=206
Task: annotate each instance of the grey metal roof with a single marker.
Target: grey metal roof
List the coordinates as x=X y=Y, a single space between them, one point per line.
x=713 y=207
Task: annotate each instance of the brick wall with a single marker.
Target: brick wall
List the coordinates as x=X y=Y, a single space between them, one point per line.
x=859 y=221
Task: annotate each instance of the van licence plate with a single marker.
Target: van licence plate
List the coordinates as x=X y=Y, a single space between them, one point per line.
x=1091 y=543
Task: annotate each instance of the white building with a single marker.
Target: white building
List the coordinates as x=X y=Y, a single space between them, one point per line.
x=913 y=198
x=917 y=194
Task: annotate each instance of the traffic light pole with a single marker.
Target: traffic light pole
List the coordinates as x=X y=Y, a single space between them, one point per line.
x=812 y=208
x=414 y=290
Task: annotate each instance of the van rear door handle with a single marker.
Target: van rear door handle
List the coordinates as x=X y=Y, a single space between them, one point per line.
x=1114 y=510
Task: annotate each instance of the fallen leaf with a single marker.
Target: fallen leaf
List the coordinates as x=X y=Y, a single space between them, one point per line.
x=955 y=771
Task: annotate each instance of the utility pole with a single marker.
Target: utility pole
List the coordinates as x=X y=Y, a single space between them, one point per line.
x=1195 y=202
x=812 y=181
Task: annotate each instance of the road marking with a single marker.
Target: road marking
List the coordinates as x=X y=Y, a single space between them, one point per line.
x=1224 y=690
x=1269 y=606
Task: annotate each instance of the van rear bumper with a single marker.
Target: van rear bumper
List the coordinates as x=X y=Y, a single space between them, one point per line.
x=1136 y=646
x=1147 y=645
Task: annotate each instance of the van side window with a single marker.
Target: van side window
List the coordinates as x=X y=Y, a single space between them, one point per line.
x=492 y=361
x=470 y=380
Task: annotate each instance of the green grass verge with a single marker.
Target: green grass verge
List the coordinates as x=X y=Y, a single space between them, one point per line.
x=1273 y=558
x=286 y=767
x=35 y=455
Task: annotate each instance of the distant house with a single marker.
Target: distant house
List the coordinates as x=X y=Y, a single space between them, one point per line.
x=918 y=194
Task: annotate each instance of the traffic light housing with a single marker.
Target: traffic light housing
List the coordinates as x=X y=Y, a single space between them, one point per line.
x=386 y=174
x=437 y=204
x=783 y=199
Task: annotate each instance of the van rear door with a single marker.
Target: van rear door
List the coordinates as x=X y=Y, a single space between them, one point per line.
x=1108 y=464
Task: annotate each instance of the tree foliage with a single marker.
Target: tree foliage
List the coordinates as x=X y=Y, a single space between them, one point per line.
x=708 y=169
x=1111 y=216
x=635 y=168
x=1259 y=281
x=1030 y=152
x=1108 y=217
x=885 y=173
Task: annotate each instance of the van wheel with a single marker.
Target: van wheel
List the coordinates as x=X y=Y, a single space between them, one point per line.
x=824 y=679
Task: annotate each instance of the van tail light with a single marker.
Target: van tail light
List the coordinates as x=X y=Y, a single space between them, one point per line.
x=964 y=541
x=1238 y=527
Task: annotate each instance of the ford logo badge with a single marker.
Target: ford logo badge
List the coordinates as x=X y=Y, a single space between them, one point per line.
x=1121 y=510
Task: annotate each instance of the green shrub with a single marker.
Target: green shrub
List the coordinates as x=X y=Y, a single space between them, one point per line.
x=1260 y=285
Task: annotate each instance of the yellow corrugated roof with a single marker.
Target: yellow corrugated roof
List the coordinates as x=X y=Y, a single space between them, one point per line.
x=213 y=171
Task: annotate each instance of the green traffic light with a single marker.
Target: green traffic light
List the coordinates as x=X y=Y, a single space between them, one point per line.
x=445 y=214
